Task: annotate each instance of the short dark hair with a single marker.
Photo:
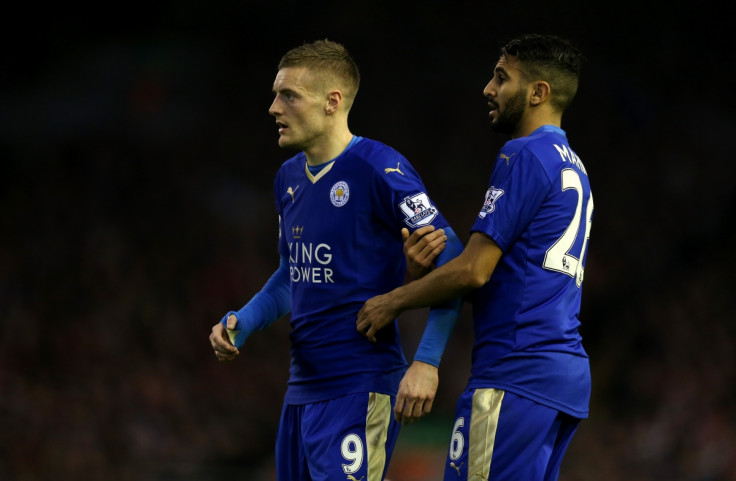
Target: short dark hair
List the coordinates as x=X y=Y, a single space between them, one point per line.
x=327 y=61
x=550 y=58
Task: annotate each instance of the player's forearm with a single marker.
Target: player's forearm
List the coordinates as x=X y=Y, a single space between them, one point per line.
x=269 y=304
x=450 y=281
x=466 y=272
x=437 y=332
x=453 y=249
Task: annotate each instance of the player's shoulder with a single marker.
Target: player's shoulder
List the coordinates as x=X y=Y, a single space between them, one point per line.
x=291 y=168
x=543 y=146
x=377 y=156
x=297 y=159
x=294 y=165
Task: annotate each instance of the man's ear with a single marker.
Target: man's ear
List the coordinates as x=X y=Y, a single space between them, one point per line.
x=540 y=93
x=334 y=98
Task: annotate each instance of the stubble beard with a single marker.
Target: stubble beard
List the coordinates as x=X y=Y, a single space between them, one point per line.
x=509 y=119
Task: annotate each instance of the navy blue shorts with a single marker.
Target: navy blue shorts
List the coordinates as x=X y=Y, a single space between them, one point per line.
x=349 y=438
x=499 y=436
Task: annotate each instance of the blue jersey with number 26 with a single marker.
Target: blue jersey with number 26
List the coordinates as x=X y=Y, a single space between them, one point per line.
x=538 y=209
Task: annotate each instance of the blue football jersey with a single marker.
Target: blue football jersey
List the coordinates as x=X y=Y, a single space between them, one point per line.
x=341 y=231
x=538 y=209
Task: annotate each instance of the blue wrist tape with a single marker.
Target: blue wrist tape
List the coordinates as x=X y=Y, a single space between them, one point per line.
x=442 y=318
x=272 y=302
x=439 y=327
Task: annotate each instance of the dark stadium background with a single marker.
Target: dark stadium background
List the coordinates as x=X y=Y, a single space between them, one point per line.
x=136 y=165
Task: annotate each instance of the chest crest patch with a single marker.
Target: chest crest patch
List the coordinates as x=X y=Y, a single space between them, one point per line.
x=339 y=194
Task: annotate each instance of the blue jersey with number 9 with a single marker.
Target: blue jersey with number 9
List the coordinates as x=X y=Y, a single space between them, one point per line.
x=341 y=231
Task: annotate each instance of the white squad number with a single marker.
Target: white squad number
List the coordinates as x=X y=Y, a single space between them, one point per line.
x=352 y=451
x=558 y=257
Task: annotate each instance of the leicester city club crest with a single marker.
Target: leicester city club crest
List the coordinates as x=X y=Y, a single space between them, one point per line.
x=339 y=194
x=417 y=209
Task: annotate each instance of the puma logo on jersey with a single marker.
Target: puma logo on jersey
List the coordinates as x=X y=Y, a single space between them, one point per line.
x=291 y=192
x=397 y=169
x=506 y=157
x=353 y=478
x=457 y=467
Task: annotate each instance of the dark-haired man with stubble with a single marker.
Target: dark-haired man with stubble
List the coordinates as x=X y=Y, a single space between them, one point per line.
x=522 y=269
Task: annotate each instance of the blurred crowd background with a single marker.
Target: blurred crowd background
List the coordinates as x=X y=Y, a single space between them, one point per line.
x=136 y=166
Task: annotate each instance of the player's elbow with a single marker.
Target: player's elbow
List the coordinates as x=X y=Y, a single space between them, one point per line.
x=474 y=277
x=477 y=279
x=478 y=260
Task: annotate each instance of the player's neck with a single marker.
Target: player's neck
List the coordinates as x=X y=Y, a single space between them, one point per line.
x=530 y=123
x=330 y=146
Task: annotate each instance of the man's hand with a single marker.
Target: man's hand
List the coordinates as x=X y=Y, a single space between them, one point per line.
x=220 y=341
x=421 y=248
x=416 y=392
x=375 y=314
